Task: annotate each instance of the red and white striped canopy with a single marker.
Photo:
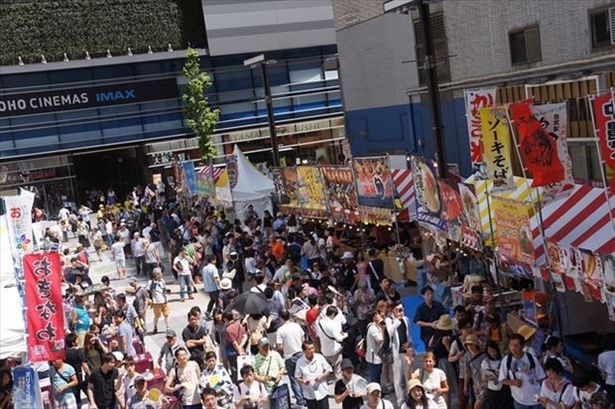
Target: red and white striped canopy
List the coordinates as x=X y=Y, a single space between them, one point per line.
x=402 y=179
x=581 y=220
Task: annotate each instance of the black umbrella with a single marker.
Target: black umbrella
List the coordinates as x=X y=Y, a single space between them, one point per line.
x=250 y=303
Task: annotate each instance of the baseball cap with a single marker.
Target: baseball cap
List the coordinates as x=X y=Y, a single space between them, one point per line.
x=171 y=333
x=373 y=386
x=263 y=341
x=132 y=280
x=347 y=364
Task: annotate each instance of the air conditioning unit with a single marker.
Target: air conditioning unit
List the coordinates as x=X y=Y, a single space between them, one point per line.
x=612 y=24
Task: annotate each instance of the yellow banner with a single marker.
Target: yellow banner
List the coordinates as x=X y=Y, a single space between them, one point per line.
x=311 y=190
x=513 y=236
x=497 y=147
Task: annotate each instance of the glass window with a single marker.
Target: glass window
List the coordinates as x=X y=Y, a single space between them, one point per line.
x=306 y=72
x=600 y=28
x=121 y=72
x=29 y=80
x=71 y=76
x=232 y=79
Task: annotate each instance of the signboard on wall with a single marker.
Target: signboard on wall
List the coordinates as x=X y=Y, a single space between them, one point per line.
x=46 y=101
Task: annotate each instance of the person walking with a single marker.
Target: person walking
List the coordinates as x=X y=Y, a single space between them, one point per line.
x=117 y=252
x=183 y=380
x=331 y=336
x=374 y=398
x=157 y=289
x=181 y=265
x=433 y=380
x=268 y=366
x=398 y=326
x=345 y=392
x=312 y=372
x=289 y=339
x=103 y=384
x=211 y=283
x=63 y=383
x=427 y=314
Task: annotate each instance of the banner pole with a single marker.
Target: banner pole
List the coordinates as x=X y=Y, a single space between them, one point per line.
x=498 y=281
x=551 y=288
x=600 y=158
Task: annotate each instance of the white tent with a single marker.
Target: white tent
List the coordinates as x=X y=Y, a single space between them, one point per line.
x=252 y=188
x=12 y=328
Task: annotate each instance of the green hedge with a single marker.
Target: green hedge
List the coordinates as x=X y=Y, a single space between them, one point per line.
x=52 y=28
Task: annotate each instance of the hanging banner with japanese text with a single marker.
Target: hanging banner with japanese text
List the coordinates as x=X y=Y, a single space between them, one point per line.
x=475 y=100
x=311 y=192
x=224 y=196
x=553 y=119
x=497 y=148
x=44 y=313
x=342 y=191
x=19 y=219
x=513 y=236
x=604 y=118
x=189 y=183
x=537 y=147
x=205 y=182
x=374 y=182
x=428 y=201
x=26 y=388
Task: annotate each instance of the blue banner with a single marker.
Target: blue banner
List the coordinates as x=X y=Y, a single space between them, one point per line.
x=26 y=390
x=190 y=183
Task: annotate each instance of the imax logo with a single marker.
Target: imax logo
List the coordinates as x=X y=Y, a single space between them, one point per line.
x=112 y=96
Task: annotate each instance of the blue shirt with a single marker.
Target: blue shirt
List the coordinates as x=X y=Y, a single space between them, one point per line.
x=57 y=381
x=210 y=273
x=125 y=330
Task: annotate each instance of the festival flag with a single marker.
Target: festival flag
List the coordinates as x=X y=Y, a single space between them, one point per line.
x=497 y=147
x=553 y=119
x=286 y=183
x=19 y=212
x=224 y=196
x=513 y=236
x=428 y=201
x=189 y=183
x=537 y=148
x=311 y=192
x=475 y=100
x=374 y=182
x=604 y=124
x=44 y=310
x=205 y=182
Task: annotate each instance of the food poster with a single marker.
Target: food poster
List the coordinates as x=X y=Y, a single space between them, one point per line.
x=428 y=201
x=376 y=215
x=558 y=283
x=311 y=192
x=592 y=268
x=513 y=234
x=342 y=191
x=608 y=268
x=471 y=211
x=285 y=183
x=374 y=182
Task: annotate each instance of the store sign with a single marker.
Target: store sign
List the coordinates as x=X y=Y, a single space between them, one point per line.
x=86 y=97
x=282 y=130
x=166 y=158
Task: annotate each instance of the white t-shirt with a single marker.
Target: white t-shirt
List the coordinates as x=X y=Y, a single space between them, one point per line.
x=583 y=397
x=564 y=394
x=255 y=391
x=290 y=336
x=530 y=379
x=329 y=332
x=606 y=363
x=310 y=370
x=431 y=381
x=383 y=404
x=492 y=369
x=373 y=342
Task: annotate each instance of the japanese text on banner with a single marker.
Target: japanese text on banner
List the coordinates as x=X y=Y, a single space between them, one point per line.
x=497 y=147
x=19 y=212
x=45 y=313
x=537 y=147
x=342 y=192
x=474 y=101
x=553 y=119
x=604 y=117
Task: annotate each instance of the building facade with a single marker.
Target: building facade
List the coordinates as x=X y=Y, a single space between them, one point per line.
x=552 y=50
x=116 y=120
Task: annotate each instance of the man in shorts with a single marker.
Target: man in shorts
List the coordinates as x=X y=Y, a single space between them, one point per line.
x=157 y=289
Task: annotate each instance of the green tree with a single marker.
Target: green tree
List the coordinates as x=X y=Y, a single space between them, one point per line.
x=200 y=118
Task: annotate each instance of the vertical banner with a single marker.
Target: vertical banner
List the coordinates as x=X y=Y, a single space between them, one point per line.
x=428 y=201
x=223 y=191
x=19 y=212
x=470 y=221
x=475 y=100
x=205 y=182
x=45 y=313
x=189 y=183
x=286 y=181
x=374 y=182
x=537 y=147
x=513 y=236
x=497 y=148
x=553 y=119
x=342 y=192
x=311 y=192
x=26 y=389
x=604 y=124
x=231 y=168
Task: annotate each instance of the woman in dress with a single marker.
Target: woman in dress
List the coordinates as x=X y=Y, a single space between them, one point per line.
x=433 y=380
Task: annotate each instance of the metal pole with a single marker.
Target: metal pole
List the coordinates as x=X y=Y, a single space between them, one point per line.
x=495 y=256
x=429 y=65
x=270 y=116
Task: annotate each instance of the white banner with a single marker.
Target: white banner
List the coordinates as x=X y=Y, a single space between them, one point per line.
x=475 y=100
x=553 y=118
x=19 y=218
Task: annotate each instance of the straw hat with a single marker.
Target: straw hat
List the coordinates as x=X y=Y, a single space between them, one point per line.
x=413 y=383
x=472 y=339
x=526 y=331
x=445 y=323
x=226 y=284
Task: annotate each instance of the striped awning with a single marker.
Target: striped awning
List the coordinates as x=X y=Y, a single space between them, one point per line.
x=402 y=179
x=582 y=220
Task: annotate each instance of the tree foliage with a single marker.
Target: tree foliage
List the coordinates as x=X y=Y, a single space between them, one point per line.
x=29 y=29
x=200 y=118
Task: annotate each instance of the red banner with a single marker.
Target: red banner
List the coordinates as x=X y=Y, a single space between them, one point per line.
x=604 y=116
x=537 y=147
x=44 y=311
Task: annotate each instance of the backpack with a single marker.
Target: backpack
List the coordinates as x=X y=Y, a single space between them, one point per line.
x=509 y=363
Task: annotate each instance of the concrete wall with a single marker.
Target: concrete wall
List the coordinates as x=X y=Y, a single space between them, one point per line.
x=477 y=32
x=350 y=12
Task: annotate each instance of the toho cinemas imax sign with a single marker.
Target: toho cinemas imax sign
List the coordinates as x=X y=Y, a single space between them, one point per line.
x=86 y=97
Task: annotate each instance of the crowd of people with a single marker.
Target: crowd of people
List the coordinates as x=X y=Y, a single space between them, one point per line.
x=326 y=318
